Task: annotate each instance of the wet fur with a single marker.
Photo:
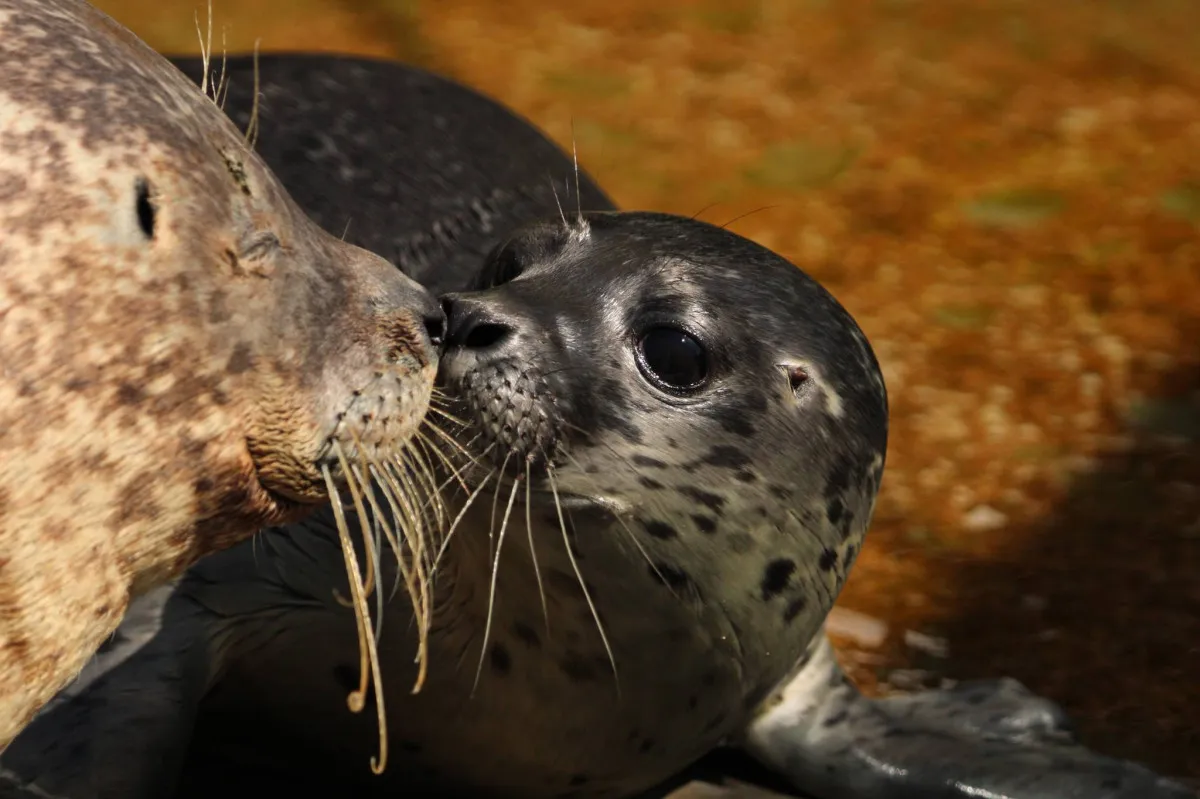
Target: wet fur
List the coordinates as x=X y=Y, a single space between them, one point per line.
x=163 y=389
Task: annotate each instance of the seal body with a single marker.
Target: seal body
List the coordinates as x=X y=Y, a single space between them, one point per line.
x=671 y=442
x=179 y=344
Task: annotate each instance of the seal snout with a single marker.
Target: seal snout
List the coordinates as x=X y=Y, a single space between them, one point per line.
x=476 y=324
x=488 y=367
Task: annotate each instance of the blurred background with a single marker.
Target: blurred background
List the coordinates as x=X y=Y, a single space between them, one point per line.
x=1006 y=195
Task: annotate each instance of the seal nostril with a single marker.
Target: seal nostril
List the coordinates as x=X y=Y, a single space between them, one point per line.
x=473 y=324
x=485 y=335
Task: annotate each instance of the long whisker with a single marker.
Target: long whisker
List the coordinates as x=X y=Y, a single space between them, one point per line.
x=632 y=536
x=748 y=213
x=559 y=204
x=461 y=513
x=368 y=654
x=575 y=158
x=419 y=550
x=579 y=576
x=495 y=504
x=537 y=572
x=252 y=127
x=487 y=626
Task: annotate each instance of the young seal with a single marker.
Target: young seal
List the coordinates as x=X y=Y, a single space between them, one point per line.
x=180 y=347
x=688 y=436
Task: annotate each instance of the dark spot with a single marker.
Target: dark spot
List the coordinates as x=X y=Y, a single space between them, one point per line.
x=145 y=208
x=137 y=502
x=705 y=524
x=776 y=576
x=646 y=745
x=240 y=360
x=653 y=485
x=501 y=660
x=828 y=560
x=129 y=394
x=526 y=635
x=670 y=576
x=645 y=460
x=55 y=530
x=728 y=457
x=577 y=780
x=578 y=668
x=835 y=719
x=203 y=485
x=745 y=477
x=715 y=722
x=103 y=610
x=660 y=530
x=709 y=679
x=835 y=511
x=76 y=384
x=793 y=609
x=711 y=501
x=839 y=477
x=236 y=171
x=780 y=492
x=693 y=700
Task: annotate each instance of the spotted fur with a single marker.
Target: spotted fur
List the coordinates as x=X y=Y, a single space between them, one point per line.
x=164 y=390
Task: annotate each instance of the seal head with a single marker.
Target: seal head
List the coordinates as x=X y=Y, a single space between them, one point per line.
x=698 y=415
x=181 y=347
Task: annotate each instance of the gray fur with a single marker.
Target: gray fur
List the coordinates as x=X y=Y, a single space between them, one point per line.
x=713 y=531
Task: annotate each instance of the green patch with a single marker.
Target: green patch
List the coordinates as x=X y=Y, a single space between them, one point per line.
x=1015 y=208
x=964 y=317
x=1182 y=201
x=801 y=165
x=587 y=83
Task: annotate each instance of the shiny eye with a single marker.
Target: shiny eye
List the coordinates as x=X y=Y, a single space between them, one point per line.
x=672 y=359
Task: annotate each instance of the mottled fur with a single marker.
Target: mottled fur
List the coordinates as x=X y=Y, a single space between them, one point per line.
x=177 y=339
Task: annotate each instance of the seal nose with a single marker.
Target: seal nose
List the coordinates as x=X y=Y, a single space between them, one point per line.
x=474 y=324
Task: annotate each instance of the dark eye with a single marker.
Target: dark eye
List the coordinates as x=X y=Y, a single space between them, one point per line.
x=672 y=359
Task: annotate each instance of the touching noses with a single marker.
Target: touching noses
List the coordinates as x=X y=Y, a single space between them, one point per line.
x=475 y=324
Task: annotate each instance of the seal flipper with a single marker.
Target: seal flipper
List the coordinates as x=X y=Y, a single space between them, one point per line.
x=987 y=738
x=122 y=727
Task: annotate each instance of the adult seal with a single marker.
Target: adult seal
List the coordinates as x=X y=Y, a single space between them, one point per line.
x=181 y=349
x=672 y=441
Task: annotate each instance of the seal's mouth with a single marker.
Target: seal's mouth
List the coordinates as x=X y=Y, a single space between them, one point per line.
x=510 y=416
